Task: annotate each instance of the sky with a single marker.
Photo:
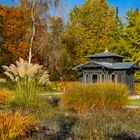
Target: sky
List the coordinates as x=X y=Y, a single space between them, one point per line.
x=123 y=5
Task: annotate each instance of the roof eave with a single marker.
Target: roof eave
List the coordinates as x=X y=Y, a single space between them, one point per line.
x=105 y=57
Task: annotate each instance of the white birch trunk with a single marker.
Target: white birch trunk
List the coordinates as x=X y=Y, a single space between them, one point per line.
x=33 y=32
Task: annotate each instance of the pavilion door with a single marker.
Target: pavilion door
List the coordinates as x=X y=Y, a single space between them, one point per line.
x=94 y=78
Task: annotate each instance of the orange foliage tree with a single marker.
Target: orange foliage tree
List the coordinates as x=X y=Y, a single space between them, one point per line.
x=16 y=31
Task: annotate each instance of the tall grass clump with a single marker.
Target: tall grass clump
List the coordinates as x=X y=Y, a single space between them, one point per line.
x=16 y=125
x=85 y=97
x=26 y=78
x=26 y=94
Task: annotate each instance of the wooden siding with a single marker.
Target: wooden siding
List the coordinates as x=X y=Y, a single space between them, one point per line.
x=120 y=76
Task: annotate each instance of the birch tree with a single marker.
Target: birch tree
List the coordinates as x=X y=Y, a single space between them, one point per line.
x=38 y=8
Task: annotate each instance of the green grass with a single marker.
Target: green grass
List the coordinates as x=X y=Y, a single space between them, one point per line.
x=26 y=96
x=47 y=89
x=135 y=102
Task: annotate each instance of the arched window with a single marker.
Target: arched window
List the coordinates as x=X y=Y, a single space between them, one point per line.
x=94 y=78
x=87 y=78
x=102 y=77
x=113 y=78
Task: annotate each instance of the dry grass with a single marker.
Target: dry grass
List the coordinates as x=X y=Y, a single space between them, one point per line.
x=15 y=125
x=5 y=95
x=107 y=125
x=137 y=88
x=83 y=98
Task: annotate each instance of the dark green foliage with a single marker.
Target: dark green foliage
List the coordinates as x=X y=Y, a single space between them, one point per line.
x=54 y=76
x=127 y=41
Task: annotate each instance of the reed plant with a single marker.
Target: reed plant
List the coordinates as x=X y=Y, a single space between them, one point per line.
x=85 y=97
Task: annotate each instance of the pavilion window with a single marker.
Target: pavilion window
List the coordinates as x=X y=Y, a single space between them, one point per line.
x=103 y=77
x=94 y=78
x=113 y=78
x=87 y=78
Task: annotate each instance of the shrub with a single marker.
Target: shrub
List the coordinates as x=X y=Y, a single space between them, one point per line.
x=5 y=95
x=15 y=125
x=83 y=97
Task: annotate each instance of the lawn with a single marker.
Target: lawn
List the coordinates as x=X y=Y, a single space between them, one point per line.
x=137 y=90
x=135 y=102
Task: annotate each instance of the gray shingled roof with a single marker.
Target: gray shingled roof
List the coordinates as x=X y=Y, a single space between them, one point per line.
x=78 y=66
x=120 y=65
x=104 y=55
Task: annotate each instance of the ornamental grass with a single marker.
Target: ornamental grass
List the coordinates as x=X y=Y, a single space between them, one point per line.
x=26 y=95
x=86 y=97
x=16 y=125
x=22 y=69
x=5 y=95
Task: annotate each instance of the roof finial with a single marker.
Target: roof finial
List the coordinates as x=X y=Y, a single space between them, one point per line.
x=106 y=51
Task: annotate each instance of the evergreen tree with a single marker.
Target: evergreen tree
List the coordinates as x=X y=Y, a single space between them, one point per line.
x=128 y=41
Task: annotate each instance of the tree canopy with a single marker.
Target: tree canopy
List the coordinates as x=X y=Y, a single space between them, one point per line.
x=128 y=41
x=89 y=29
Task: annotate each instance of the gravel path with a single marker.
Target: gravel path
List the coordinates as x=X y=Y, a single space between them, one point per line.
x=49 y=94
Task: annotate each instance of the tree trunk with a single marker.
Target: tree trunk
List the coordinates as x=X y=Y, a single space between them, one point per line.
x=33 y=31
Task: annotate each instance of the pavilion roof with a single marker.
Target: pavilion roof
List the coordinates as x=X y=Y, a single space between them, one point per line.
x=115 y=66
x=105 y=54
